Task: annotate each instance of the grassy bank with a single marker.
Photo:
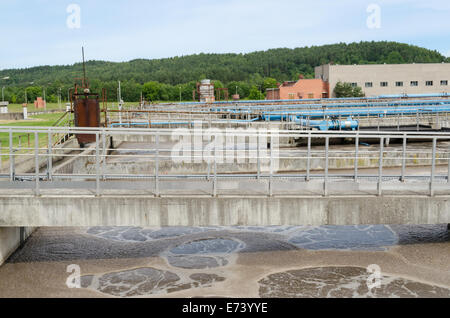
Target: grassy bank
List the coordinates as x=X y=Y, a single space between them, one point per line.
x=23 y=142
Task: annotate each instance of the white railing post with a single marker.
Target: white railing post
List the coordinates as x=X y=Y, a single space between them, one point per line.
x=380 y=168
x=356 y=156
x=433 y=167
x=258 y=162
x=308 y=159
x=402 y=179
x=50 y=156
x=215 y=169
x=36 y=162
x=12 y=173
x=157 y=192
x=325 y=183
x=97 y=165
x=105 y=154
x=271 y=166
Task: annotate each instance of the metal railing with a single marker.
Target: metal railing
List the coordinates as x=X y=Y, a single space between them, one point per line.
x=324 y=163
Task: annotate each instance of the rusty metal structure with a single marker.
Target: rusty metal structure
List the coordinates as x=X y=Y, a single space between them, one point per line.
x=219 y=93
x=205 y=91
x=86 y=108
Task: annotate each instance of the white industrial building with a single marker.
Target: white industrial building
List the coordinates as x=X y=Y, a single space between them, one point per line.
x=389 y=79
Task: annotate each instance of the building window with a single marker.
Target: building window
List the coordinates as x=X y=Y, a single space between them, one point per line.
x=414 y=83
x=310 y=96
x=369 y=84
x=429 y=83
x=354 y=84
x=291 y=96
x=399 y=84
x=384 y=84
x=444 y=83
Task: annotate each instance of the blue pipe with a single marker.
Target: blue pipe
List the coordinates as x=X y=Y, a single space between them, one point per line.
x=170 y=123
x=323 y=125
x=399 y=96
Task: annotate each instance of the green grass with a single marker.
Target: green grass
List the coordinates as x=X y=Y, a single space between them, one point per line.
x=22 y=141
x=17 y=108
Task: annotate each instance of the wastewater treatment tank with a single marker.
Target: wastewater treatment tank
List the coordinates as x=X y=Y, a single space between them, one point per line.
x=87 y=114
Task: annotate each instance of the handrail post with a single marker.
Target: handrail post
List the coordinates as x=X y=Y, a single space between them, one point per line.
x=448 y=166
x=157 y=192
x=215 y=170
x=417 y=119
x=12 y=173
x=308 y=159
x=325 y=183
x=271 y=166
x=50 y=156
x=105 y=154
x=433 y=167
x=356 y=156
x=258 y=162
x=36 y=162
x=380 y=167
x=402 y=178
x=97 y=165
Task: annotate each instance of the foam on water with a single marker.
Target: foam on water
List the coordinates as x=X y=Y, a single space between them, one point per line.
x=146 y=281
x=332 y=282
x=180 y=259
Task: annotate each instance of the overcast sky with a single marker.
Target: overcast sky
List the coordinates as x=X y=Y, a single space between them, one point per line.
x=45 y=32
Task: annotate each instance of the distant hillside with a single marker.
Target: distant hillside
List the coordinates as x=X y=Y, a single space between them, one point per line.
x=280 y=64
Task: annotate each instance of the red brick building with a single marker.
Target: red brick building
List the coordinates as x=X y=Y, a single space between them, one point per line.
x=302 y=89
x=39 y=103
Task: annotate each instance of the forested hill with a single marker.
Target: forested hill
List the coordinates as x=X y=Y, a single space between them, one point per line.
x=252 y=68
x=281 y=64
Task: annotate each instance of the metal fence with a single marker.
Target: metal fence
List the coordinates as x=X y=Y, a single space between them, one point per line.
x=143 y=161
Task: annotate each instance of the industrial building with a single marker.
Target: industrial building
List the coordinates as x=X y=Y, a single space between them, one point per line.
x=389 y=79
x=374 y=79
x=302 y=89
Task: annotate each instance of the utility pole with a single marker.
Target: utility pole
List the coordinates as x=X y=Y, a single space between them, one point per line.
x=180 y=94
x=120 y=94
x=59 y=98
x=45 y=102
x=3 y=88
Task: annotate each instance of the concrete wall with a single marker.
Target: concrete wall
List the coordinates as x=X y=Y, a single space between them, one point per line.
x=390 y=73
x=11 y=116
x=10 y=240
x=342 y=158
x=222 y=211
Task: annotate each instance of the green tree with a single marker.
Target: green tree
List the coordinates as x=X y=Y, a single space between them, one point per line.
x=151 y=91
x=269 y=83
x=255 y=94
x=394 y=57
x=347 y=90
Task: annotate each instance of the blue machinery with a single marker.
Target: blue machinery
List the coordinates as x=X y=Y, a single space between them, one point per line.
x=329 y=116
